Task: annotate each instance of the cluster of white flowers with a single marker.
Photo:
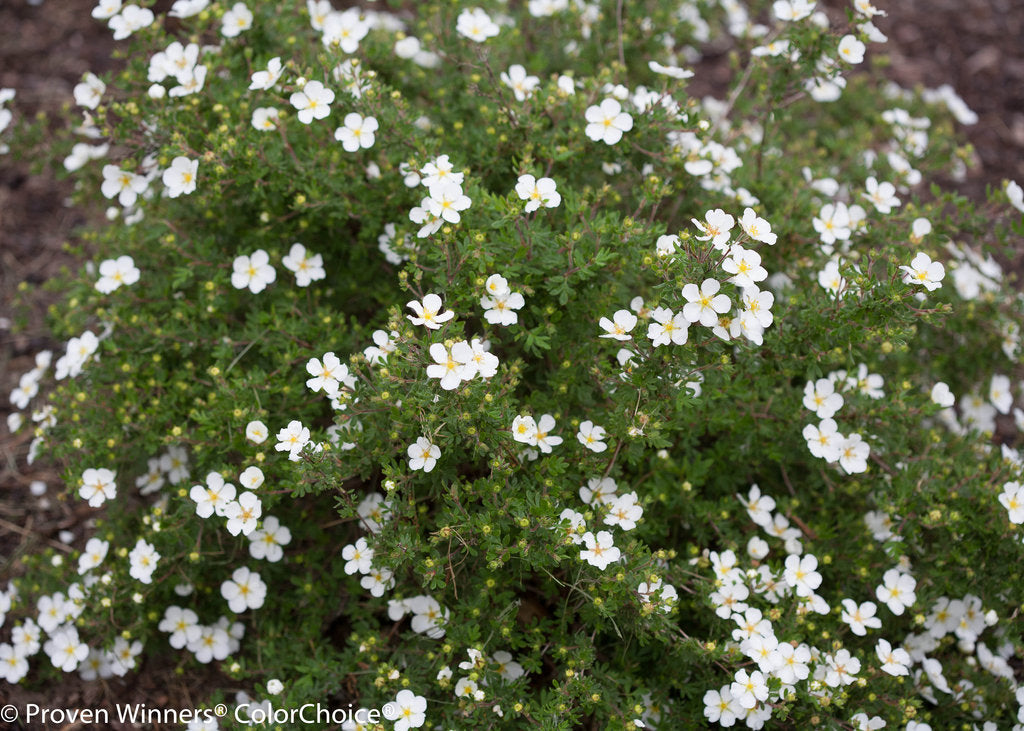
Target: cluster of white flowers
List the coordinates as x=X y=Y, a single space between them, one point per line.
x=501 y=303
x=218 y=497
x=428 y=617
x=206 y=642
x=620 y=511
x=825 y=441
x=179 y=64
x=445 y=199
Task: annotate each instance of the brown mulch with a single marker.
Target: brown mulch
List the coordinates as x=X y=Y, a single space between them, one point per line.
x=977 y=46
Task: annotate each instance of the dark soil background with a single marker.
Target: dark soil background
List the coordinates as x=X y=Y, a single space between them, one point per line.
x=977 y=46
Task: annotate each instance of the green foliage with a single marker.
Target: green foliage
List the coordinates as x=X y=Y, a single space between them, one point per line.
x=187 y=360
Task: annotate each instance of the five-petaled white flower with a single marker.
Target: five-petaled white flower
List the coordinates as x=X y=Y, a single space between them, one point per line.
x=267 y=79
x=307 y=266
x=619 y=327
x=115 y=272
x=142 y=561
x=757 y=228
x=704 y=304
x=357 y=132
x=606 y=122
x=252 y=272
x=599 y=550
x=98 y=486
x=519 y=81
x=428 y=312
x=924 y=271
x=244 y=590
x=851 y=50
x=476 y=25
x=180 y=178
x=423 y=455
x=537 y=193
x=236 y=20
x=591 y=436
x=313 y=102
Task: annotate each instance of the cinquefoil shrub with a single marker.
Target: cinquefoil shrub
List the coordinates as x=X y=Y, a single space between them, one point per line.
x=456 y=363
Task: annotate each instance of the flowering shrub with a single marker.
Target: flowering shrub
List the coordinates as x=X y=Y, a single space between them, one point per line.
x=459 y=360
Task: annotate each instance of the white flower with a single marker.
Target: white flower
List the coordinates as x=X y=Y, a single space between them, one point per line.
x=358 y=557
x=446 y=201
x=98 y=486
x=675 y=72
x=446 y=367
x=1015 y=194
x=93 y=555
x=313 y=102
x=924 y=271
x=793 y=10
x=182 y=624
x=544 y=439
x=668 y=327
x=423 y=455
x=757 y=228
x=476 y=25
x=524 y=430
x=501 y=308
x=266 y=542
x=357 y=132
x=851 y=50
x=860 y=617
x=537 y=192
x=897 y=591
x=236 y=20
x=242 y=514
x=881 y=195
x=716 y=228
x=599 y=550
x=820 y=397
x=89 y=92
x=408 y=710
x=522 y=85
x=265 y=118
x=143 y=559
x=894 y=661
x=606 y=122
x=292 y=439
x=591 y=436
x=117 y=272
x=244 y=590
x=131 y=19
x=377 y=581
x=256 y=432
x=253 y=271
x=749 y=688
x=428 y=312
x=307 y=266
x=704 y=305
x=853 y=454
x=180 y=177
x=214 y=497
x=344 y=30
x=266 y=80
x=802 y=575
x=124 y=185
x=66 y=651
x=619 y=327
x=624 y=511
